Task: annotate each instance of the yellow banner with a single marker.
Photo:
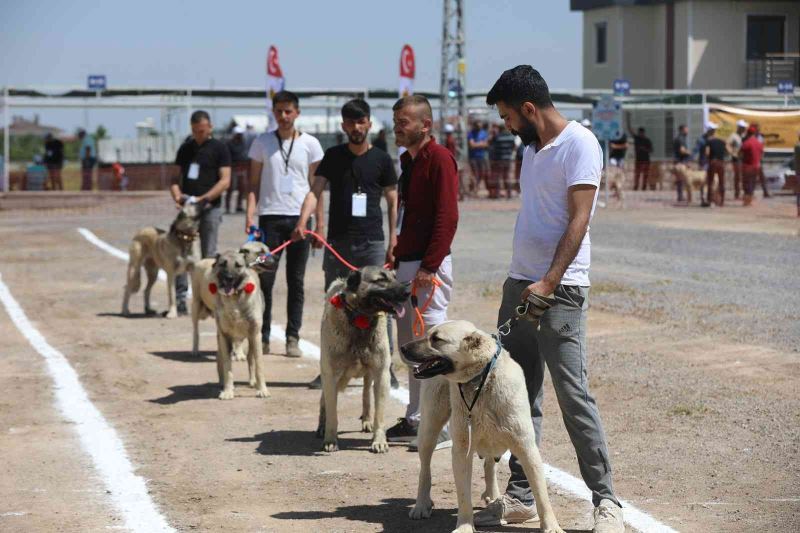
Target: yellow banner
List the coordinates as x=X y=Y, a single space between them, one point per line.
x=779 y=128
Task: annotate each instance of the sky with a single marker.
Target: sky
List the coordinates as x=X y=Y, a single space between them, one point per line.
x=321 y=43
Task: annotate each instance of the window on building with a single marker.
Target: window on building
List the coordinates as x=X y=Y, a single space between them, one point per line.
x=765 y=35
x=600 y=42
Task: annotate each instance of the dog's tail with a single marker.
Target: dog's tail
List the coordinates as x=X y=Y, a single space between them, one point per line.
x=134 y=266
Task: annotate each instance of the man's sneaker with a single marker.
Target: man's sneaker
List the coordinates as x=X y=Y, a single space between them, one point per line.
x=293 y=347
x=316 y=383
x=393 y=379
x=608 y=518
x=264 y=347
x=505 y=510
x=403 y=431
x=182 y=309
x=443 y=441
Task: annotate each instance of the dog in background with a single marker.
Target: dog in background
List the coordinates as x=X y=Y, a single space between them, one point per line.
x=204 y=303
x=354 y=343
x=156 y=250
x=239 y=311
x=499 y=420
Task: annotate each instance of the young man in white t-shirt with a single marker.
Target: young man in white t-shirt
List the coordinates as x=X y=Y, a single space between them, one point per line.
x=559 y=179
x=282 y=164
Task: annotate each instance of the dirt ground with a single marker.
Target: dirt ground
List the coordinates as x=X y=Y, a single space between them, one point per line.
x=703 y=432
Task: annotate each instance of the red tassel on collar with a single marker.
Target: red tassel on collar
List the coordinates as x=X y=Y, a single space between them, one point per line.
x=249 y=288
x=212 y=288
x=361 y=322
x=337 y=301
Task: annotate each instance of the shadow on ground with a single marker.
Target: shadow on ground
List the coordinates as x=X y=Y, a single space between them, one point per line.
x=185 y=356
x=293 y=442
x=134 y=316
x=204 y=391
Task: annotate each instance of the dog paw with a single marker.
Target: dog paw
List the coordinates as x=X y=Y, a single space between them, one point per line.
x=262 y=393
x=366 y=426
x=330 y=446
x=238 y=356
x=226 y=395
x=421 y=510
x=172 y=313
x=379 y=446
x=552 y=530
x=464 y=528
x=489 y=496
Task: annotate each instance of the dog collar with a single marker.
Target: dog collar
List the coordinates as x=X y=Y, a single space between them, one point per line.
x=248 y=288
x=481 y=378
x=358 y=320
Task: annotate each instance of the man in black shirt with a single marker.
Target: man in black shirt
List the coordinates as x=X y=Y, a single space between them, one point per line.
x=715 y=155
x=358 y=175
x=642 y=147
x=205 y=173
x=54 y=159
x=240 y=163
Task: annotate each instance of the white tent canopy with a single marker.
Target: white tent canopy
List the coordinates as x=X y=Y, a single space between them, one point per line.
x=308 y=122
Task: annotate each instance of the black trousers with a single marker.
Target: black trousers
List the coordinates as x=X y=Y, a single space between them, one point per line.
x=277 y=229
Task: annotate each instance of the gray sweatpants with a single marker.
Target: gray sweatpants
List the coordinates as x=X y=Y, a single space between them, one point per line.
x=436 y=313
x=210 y=220
x=560 y=342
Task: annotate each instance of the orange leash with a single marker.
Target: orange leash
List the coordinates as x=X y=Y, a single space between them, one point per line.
x=321 y=239
x=418 y=326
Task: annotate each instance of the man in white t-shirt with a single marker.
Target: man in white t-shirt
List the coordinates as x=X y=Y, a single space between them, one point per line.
x=282 y=164
x=559 y=179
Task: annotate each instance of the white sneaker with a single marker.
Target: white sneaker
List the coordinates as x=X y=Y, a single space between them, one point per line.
x=505 y=510
x=443 y=441
x=608 y=518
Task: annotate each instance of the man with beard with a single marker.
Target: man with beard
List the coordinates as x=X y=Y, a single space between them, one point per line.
x=427 y=224
x=559 y=179
x=359 y=175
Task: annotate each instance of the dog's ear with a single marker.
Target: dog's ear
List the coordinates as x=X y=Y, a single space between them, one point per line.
x=473 y=342
x=354 y=280
x=216 y=259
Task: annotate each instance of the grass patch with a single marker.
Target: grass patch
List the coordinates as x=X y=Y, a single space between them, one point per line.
x=688 y=410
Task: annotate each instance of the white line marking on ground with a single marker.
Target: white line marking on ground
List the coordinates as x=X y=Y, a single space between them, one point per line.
x=128 y=491
x=634 y=517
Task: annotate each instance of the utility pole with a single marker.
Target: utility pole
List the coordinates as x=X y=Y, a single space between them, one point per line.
x=453 y=82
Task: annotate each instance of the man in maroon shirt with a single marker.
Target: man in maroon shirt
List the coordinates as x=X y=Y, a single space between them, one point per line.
x=426 y=221
x=752 y=151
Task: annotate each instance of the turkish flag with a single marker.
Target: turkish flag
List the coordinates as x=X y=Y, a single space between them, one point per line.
x=408 y=70
x=273 y=66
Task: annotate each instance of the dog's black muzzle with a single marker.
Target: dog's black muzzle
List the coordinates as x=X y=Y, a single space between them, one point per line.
x=426 y=366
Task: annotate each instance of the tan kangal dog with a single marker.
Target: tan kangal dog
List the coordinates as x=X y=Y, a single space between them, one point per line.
x=157 y=250
x=355 y=343
x=239 y=312
x=499 y=418
x=203 y=302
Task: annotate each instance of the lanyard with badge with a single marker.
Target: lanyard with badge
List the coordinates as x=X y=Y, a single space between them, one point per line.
x=359 y=200
x=194 y=167
x=286 y=182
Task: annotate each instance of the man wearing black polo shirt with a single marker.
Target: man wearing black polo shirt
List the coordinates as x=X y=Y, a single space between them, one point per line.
x=359 y=175
x=205 y=173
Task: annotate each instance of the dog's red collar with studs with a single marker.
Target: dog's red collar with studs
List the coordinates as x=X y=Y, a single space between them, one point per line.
x=248 y=288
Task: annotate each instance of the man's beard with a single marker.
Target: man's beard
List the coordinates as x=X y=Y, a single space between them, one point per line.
x=412 y=138
x=356 y=137
x=528 y=133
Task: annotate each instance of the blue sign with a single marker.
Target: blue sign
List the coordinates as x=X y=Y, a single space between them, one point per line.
x=607 y=119
x=622 y=87
x=785 y=87
x=96 y=82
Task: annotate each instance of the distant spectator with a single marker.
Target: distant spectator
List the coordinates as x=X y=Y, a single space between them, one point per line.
x=249 y=135
x=36 y=175
x=642 y=147
x=616 y=165
x=380 y=141
x=797 y=173
x=761 y=178
x=240 y=164
x=734 y=146
x=699 y=151
x=715 y=155
x=681 y=156
x=501 y=153
x=120 y=182
x=54 y=160
x=586 y=123
x=88 y=156
x=450 y=140
x=478 y=142
x=752 y=152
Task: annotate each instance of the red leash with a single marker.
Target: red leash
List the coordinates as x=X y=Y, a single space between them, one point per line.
x=321 y=239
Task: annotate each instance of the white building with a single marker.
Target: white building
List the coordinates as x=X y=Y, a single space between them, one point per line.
x=690 y=44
